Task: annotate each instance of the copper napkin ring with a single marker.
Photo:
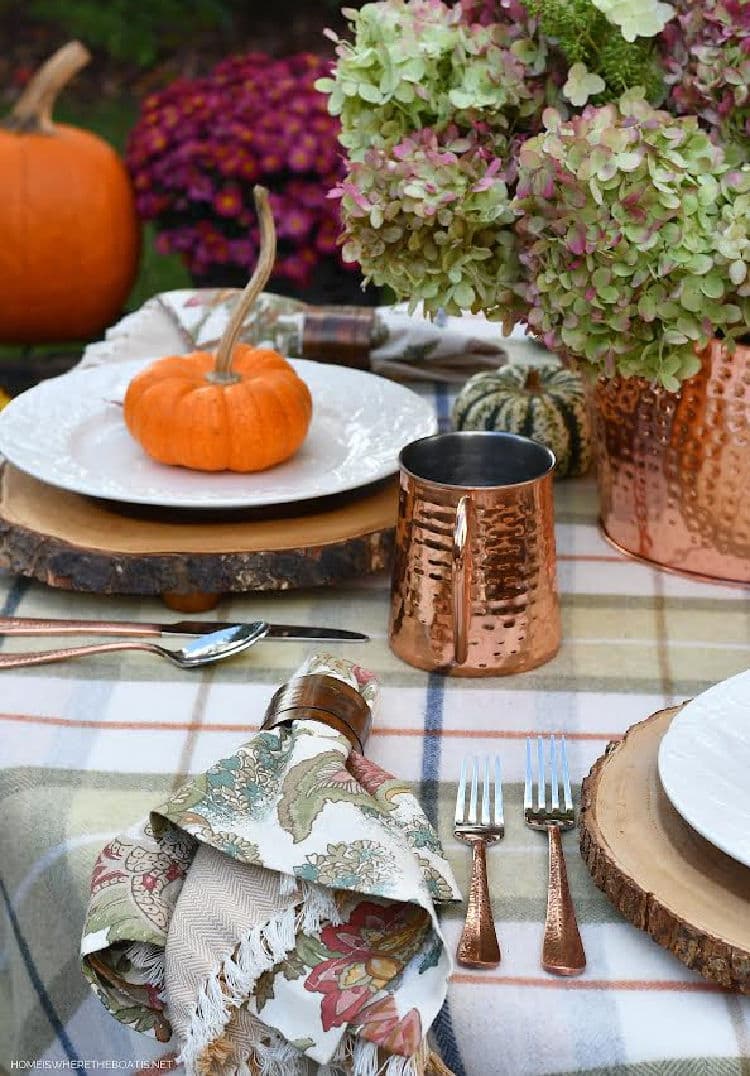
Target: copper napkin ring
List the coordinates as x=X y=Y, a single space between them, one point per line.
x=343 y=336
x=318 y=697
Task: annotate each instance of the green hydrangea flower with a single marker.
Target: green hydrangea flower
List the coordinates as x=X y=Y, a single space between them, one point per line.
x=634 y=227
x=413 y=65
x=636 y=18
x=582 y=84
x=432 y=220
x=733 y=234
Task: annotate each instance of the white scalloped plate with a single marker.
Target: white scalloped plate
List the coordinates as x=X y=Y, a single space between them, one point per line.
x=704 y=765
x=70 y=433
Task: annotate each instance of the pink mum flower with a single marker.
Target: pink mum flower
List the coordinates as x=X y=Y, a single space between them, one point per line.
x=202 y=144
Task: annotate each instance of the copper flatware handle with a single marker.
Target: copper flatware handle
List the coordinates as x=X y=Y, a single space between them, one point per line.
x=25 y=625
x=562 y=950
x=47 y=657
x=479 y=946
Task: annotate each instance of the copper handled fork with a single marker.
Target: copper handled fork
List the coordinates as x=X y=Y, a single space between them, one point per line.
x=479 y=946
x=562 y=949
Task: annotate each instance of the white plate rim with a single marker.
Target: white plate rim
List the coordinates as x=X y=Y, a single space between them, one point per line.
x=424 y=419
x=689 y=810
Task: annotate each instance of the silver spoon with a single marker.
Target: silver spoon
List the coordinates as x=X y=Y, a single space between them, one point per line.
x=204 y=650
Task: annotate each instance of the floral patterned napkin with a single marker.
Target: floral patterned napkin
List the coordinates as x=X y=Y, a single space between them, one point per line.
x=278 y=911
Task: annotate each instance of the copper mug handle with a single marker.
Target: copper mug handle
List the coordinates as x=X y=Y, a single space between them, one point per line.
x=461 y=558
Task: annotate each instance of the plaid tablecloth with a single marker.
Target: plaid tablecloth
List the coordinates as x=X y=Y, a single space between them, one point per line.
x=86 y=748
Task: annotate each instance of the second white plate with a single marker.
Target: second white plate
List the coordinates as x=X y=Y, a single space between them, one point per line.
x=704 y=765
x=70 y=433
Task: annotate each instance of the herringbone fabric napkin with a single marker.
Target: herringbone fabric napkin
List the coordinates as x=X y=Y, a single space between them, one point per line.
x=401 y=346
x=278 y=912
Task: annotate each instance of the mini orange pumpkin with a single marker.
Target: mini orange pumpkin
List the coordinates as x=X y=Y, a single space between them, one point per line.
x=244 y=409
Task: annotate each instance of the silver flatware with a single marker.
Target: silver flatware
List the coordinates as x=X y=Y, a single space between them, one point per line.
x=562 y=948
x=25 y=625
x=216 y=646
x=479 y=825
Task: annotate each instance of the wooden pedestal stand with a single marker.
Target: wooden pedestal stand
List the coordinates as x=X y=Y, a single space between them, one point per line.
x=75 y=543
x=666 y=879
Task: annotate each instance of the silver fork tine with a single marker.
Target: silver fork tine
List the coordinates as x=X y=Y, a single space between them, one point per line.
x=527 y=796
x=461 y=794
x=566 y=775
x=472 y=817
x=541 y=787
x=553 y=773
x=486 y=783
x=499 y=821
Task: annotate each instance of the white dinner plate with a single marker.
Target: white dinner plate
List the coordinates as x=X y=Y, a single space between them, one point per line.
x=704 y=765
x=70 y=433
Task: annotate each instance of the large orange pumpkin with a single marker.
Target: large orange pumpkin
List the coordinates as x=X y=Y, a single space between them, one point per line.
x=243 y=409
x=70 y=234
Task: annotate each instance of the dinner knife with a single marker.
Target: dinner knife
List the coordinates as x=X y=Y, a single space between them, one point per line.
x=23 y=625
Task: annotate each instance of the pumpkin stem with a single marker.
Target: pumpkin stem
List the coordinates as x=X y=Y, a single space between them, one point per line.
x=222 y=371
x=533 y=382
x=33 y=109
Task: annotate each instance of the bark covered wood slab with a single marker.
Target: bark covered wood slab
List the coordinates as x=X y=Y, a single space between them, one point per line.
x=663 y=876
x=75 y=543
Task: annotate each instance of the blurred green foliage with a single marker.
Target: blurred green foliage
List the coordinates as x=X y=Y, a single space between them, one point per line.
x=135 y=31
x=140 y=32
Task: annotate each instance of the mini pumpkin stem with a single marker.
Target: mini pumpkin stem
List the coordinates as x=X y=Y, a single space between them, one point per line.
x=32 y=112
x=222 y=371
x=533 y=382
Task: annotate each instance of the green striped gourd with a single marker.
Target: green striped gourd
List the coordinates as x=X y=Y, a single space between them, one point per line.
x=545 y=402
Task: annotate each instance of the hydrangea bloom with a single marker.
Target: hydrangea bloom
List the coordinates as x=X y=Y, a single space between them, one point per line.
x=427 y=103
x=434 y=102
x=432 y=219
x=706 y=54
x=582 y=84
x=632 y=228
x=416 y=64
x=610 y=38
x=200 y=146
x=513 y=13
x=636 y=18
x=625 y=234
x=733 y=235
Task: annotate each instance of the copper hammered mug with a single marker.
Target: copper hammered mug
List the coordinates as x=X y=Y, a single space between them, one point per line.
x=474 y=589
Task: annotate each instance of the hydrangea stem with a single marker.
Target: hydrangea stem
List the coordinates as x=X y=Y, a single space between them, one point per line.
x=222 y=371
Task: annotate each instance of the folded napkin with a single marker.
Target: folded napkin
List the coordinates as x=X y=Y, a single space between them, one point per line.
x=279 y=909
x=387 y=339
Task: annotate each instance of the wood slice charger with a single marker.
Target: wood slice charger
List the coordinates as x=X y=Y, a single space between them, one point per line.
x=663 y=876
x=71 y=542
x=191 y=559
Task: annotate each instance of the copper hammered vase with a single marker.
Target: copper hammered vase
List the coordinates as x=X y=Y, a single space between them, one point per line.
x=674 y=468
